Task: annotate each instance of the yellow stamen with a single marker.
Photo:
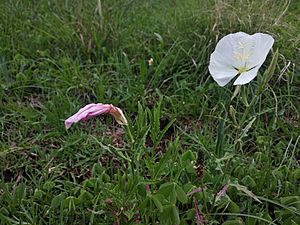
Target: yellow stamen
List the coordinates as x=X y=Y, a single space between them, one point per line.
x=242 y=69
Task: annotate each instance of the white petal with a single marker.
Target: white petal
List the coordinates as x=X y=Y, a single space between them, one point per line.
x=220 y=70
x=262 y=43
x=228 y=47
x=219 y=65
x=246 y=77
x=224 y=80
x=239 y=50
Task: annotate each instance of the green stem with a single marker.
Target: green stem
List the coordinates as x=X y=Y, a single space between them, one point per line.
x=204 y=199
x=248 y=110
x=130 y=135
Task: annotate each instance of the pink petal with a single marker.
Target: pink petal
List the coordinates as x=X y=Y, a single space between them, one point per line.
x=92 y=110
x=199 y=219
x=196 y=190
x=223 y=191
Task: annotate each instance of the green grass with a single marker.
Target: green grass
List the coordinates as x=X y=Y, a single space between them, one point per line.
x=56 y=56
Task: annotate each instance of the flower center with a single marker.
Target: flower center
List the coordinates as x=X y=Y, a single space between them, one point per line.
x=243 y=51
x=242 y=69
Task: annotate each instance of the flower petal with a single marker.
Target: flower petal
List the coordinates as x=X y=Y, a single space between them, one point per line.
x=224 y=80
x=238 y=52
x=246 y=77
x=220 y=70
x=262 y=43
x=92 y=110
x=228 y=46
x=118 y=115
x=222 y=61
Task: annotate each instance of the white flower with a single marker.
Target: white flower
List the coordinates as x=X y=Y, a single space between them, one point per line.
x=239 y=54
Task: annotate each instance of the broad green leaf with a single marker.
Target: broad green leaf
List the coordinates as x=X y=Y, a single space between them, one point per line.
x=57 y=201
x=188 y=156
x=144 y=203
x=175 y=215
x=181 y=195
x=85 y=196
x=233 y=207
x=166 y=188
x=157 y=203
x=90 y=182
x=249 y=181
x=141 y=188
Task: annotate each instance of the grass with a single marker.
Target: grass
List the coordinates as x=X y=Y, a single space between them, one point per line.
x=185 y=138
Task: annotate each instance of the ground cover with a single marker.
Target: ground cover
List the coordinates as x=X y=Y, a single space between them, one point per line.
x=188 y=150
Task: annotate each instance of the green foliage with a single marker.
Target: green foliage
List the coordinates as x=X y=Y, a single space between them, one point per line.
x=187 y=138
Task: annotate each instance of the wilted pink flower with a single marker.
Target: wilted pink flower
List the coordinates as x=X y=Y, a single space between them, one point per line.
x=223 y=191
x=196 y=190
x=92 y=110
x=198 y=216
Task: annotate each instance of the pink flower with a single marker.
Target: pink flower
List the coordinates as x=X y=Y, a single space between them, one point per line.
x=196 y=190
x=92 y=110
x=199 y=219
x=223 y=191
